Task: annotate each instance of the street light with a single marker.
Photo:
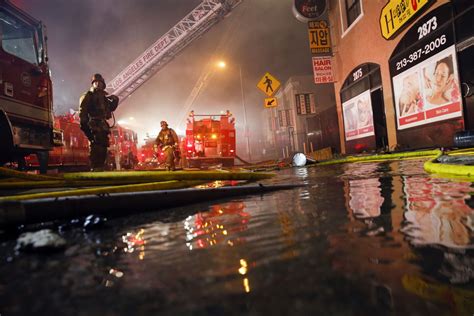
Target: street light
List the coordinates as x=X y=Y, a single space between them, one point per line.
x=221 y=64
x=245 y=114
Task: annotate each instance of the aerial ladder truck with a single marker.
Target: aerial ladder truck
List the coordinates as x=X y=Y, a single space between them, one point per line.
x=168 y=46
x=159 y=54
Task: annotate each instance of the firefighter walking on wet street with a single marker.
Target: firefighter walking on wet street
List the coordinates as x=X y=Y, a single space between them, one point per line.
x=95 y=108
x=168 y=141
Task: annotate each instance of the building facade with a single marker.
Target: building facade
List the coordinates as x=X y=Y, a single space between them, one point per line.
x=403 y=72
x=304 y=120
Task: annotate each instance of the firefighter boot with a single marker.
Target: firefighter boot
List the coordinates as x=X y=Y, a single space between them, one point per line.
x=98 y=155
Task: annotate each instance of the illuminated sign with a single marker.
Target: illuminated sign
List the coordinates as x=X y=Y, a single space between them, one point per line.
x=319 y=39
x=307 y=10
x=398 y=13
x=425 y=78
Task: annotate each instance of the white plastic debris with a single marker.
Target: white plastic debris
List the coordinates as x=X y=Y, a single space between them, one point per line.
x=41 y=240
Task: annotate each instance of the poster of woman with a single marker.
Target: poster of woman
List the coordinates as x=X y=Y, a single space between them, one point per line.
x=409 y=98
x=441 y=86
x=428 y=91
x=358 y=116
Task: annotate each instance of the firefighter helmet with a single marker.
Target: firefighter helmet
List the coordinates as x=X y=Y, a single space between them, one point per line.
x=98 y=77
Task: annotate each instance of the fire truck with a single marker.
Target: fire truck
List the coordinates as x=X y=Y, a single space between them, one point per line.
x=74 y=152
x=73 y=155
x=26 y=103
x=26 y=114
x=123 y=150
x=210 y=139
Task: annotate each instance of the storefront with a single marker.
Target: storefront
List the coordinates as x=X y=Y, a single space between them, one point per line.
x=432 y=77
x=363 y=112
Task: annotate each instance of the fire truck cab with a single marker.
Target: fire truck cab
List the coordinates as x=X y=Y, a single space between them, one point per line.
x=26 y=105
x=210 y=139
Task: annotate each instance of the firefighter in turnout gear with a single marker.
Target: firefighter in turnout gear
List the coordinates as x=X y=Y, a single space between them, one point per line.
x=168 y=141
x=95 y=108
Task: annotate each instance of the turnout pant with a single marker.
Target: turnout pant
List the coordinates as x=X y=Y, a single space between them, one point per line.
x=98 y=151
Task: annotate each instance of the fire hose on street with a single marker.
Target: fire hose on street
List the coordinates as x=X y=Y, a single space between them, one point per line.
x=383 y=157
x=47 y=209
x=453 y=164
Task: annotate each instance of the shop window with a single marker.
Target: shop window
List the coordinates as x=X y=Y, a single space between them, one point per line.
x=351 y=12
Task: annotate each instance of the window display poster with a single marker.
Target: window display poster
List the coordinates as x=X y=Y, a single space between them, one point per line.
x=358 y=116
x=429 y=91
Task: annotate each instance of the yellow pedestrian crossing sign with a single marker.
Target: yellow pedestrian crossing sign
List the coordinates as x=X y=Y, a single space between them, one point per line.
x=271 y=102
x=268 y=84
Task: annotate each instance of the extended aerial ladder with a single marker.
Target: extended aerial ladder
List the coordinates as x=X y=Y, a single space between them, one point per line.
x=168 y=46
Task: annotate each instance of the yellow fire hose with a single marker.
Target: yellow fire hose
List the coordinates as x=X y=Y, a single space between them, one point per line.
x=153 y=176
x=166 y=185
x=450 y=170
x=115 y=178
x=26 y=185
x=5 y=172
x=13 y=212
x=383 y=157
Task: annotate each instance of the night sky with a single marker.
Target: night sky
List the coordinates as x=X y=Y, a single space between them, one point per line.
x=90 y=36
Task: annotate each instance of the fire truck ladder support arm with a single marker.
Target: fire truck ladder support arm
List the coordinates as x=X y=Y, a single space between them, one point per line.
x=167 y=47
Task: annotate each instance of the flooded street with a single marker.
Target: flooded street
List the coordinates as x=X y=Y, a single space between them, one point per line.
x=359 y=239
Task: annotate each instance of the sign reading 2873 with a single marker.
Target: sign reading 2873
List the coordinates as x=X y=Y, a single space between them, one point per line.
x=428 y=37
x=423 y=52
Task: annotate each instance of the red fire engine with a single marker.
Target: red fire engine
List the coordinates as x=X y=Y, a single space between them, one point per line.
x=210 y=140
x=148 y=156
x=123 y=148
x=74 y=154
x=26 y=120
x=26 y=107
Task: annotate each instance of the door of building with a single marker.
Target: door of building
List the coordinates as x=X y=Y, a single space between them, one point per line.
x=363 y=109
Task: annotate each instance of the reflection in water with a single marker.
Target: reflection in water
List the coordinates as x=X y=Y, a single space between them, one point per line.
x=360 y=170
x=439 y=224
x=460 y=300
x=243 y=271
x=219 y=184
x=368 y=198
x=437 y=213
x=135 y=241
x=355 y=241
x=219 y=224
x=365 y=199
